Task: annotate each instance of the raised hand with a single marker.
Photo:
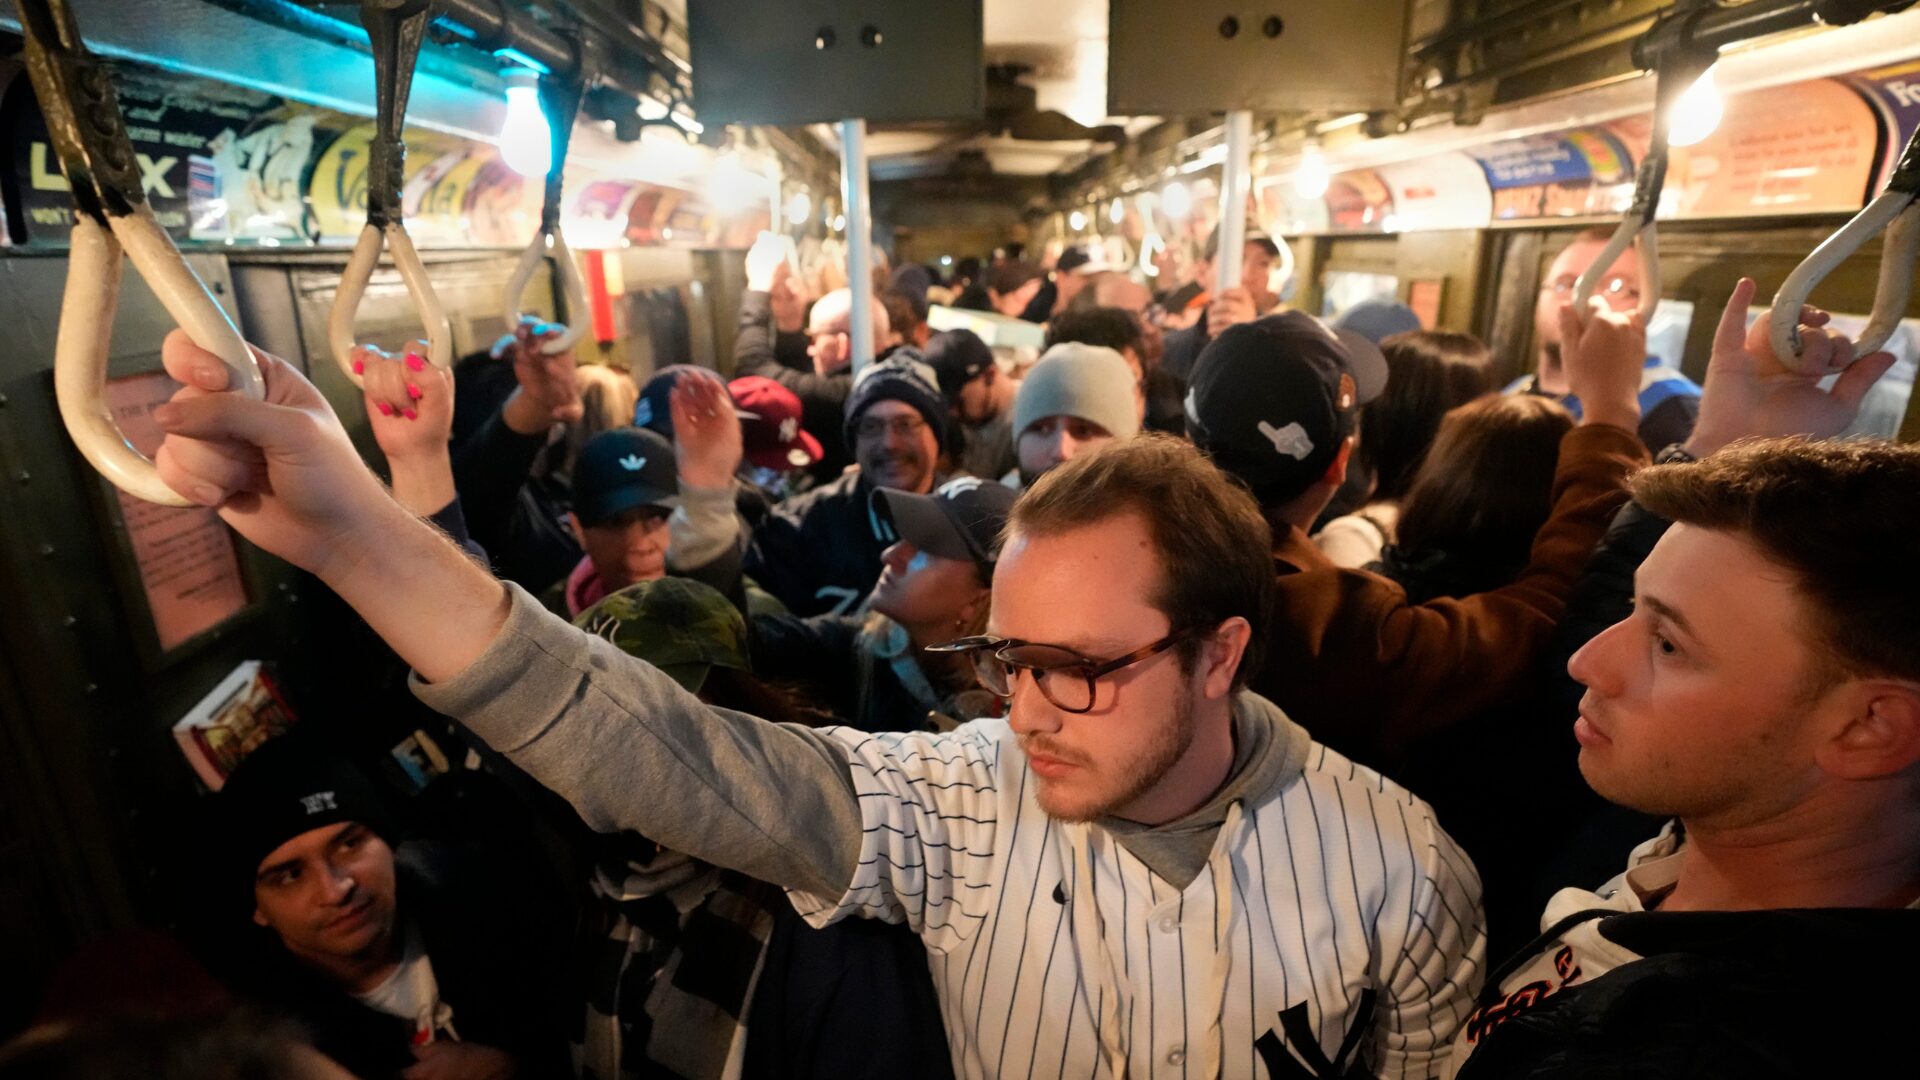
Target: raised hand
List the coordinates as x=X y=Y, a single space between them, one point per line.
x=1749 y=393
x=788 y=303
x=1230 y=307
x=1604 y=355
x=768 y=253
x=706 y=433
x=281 y=471
x=547 y=394
x=410 y=409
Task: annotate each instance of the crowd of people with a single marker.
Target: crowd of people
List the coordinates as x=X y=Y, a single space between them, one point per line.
x=1225 y=692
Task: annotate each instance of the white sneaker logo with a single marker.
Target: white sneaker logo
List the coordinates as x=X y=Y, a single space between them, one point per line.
x=1291 y=440
x=634 y=462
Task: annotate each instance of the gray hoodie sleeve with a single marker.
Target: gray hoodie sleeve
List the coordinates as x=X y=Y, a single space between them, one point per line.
x=631 y=750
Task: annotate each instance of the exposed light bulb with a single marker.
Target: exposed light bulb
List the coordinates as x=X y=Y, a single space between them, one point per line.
x=1311 y=178
x=799 y=208
x=1696 y=113
x=1077 y=221
x=839 y=223
x=652 y=110
x=1176 y=201
x=732 y=187
x=526 y=139
x=1116 y=213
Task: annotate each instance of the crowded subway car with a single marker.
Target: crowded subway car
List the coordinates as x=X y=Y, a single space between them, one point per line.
x=836 y=538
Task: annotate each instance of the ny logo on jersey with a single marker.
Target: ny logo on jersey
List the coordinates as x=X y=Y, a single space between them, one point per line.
x=1308 y=1061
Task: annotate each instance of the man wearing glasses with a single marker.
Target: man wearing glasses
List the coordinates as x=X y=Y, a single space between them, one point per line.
x=1143 y=870
x=1669 y=400
x=821 y=552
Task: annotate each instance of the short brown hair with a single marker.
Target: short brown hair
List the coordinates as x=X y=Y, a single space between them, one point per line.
x=1216 y=551
x=1840 y=516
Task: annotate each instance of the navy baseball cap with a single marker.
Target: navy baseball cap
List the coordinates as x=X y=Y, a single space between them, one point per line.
x=1271 y=400
x=621 y=469
x=961 y=519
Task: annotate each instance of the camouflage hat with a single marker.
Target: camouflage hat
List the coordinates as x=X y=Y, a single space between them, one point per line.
x=682 y=627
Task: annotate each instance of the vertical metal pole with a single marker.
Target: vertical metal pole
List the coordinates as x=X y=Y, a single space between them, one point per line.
x=1235 y=182
x=853 y=192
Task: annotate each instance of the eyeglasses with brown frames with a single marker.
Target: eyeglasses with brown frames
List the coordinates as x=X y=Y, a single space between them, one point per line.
x=1065 y=678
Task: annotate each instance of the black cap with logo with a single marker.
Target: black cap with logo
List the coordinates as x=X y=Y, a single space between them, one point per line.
x=621 y=469
x=961 y=519
x=1271 y=400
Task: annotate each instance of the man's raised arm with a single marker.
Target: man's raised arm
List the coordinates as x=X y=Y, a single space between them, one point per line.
x=620 y=740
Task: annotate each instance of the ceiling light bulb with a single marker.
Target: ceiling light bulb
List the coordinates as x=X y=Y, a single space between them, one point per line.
x=1696 y=113
x=526 y=139
x=1176 y=201
x=1311 y=177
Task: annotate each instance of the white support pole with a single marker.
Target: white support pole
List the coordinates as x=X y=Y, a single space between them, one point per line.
x=853 y=192
x=1235 y=182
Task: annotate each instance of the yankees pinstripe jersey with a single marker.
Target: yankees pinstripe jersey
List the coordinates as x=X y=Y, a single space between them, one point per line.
x=1335 y=931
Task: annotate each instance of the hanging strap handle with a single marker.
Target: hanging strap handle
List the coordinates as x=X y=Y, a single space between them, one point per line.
x=395 y=29
x=560 y=100
x=1897 y=211
x=111 y=217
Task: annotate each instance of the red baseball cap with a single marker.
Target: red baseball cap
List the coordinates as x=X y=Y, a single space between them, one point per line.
x=770 y=424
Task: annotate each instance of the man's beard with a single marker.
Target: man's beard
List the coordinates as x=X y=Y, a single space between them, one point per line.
x=1137 y=776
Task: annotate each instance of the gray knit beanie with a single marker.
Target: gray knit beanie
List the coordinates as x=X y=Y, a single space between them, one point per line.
x=1090 y=382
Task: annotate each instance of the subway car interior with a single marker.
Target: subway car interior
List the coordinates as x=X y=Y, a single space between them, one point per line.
x=584 y=286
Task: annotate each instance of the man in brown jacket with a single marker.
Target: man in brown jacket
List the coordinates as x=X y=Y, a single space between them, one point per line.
x=1274 y=402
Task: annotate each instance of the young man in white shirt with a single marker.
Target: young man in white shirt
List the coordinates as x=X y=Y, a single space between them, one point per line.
x=1144 y=870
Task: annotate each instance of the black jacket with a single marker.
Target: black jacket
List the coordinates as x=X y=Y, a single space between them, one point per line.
x=823 y=398
x=1507 y=781
x=820 y=552
x=520 y=519
x=499 y=955
x=1760 y=994
x=826 y=656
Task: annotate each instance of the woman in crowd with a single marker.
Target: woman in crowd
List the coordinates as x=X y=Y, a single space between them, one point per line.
x=1429 y=372
x=1475 y=504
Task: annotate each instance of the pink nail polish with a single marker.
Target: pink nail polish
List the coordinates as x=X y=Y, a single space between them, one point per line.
x=414 y=392
x=415 y=362
x=359 y=367
x=385 y=409
x=410 y=414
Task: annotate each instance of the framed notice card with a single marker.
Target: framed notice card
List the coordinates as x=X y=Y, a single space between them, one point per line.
x=184 y=558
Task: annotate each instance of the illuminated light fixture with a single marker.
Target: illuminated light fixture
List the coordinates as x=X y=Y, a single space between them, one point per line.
x=839 y=223
x=1697 y=112
x=688 y=124
x=1077 y=221
x=946 y=260
x=1311 y=178
x=1176 y=201
x=732 y=186
x=652 y=110
x=799 y=208
x=1116 y=213
x=526 y=139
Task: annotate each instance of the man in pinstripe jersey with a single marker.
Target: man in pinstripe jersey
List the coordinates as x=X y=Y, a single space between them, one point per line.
x=1143 y=871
